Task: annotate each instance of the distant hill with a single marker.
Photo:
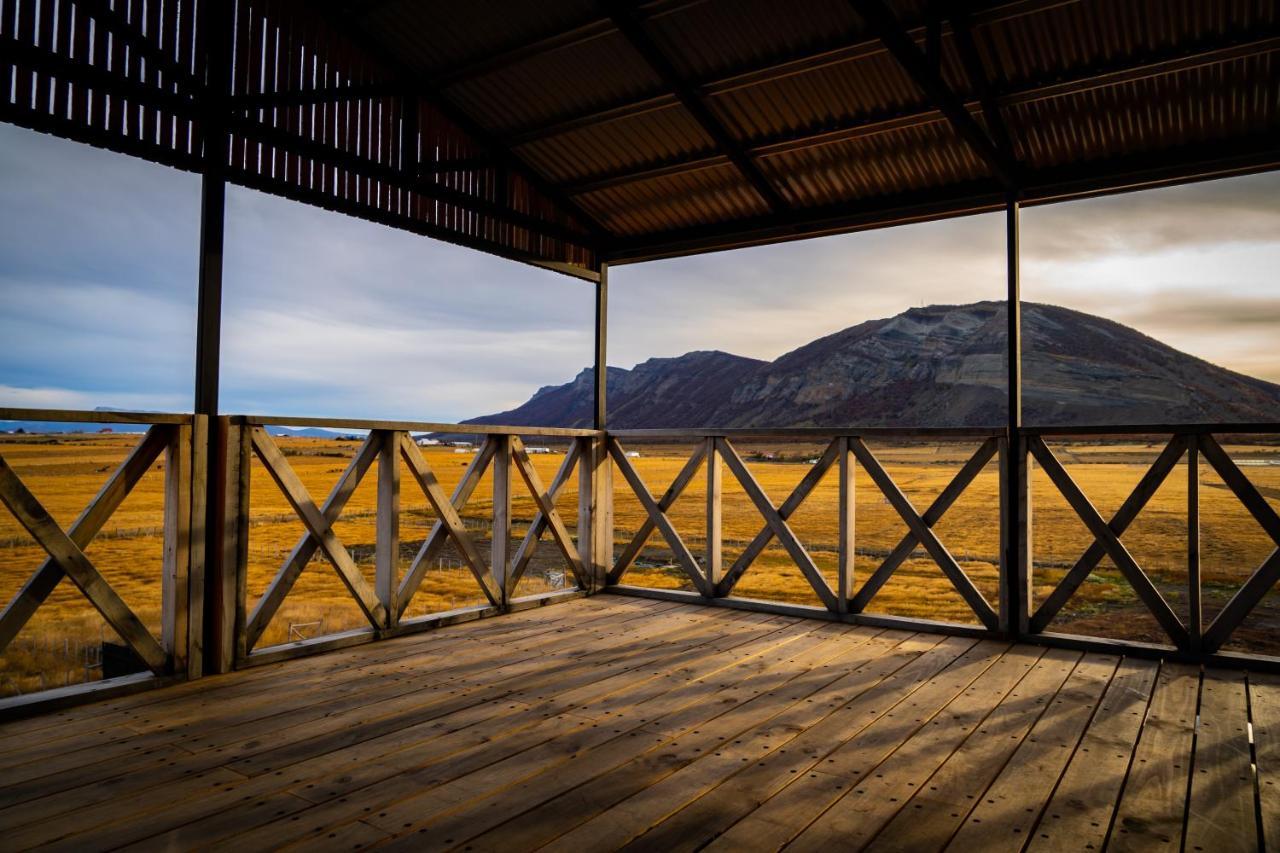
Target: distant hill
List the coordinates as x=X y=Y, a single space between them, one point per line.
x=938 y=366
x=71 y=428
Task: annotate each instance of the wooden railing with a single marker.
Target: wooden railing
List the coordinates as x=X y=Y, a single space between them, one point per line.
x=384 y=603
x=177 y=649
x=1186 y=445
x=844 y=451
x=218 y=535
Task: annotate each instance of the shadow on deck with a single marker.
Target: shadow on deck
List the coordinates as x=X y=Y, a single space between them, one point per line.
x=614 y=721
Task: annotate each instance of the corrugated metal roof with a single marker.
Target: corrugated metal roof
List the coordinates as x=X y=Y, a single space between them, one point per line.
x=571 y=131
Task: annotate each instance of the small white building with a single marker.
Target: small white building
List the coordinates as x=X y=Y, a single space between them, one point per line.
x=464 y=450
x=428 y=442
x=633 y=454
x=534 y=450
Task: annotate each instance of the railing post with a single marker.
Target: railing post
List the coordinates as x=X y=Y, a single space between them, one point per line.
x=715 y=487
x=500 y=540
x=847 y=506
x=387 y=547
x=180 y=593
x=1195 y=611
x=595 y=511
x=229 y=573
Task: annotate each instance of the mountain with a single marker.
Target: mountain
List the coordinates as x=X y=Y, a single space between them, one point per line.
x=938 y=366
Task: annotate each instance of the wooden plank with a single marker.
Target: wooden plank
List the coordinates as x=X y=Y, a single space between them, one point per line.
x=174 y=589
x=369 y=749
x=933 y=811
x=500 y=529
x=317 y=525
x=1082 y=797
x=856 y=739
x=762 y=539
x=358 y=423
x=878 y=792
x=690 y=727
x=931 y=517
x=529 y=545
x=545 y=502
x=713 y=563
x=668 y=499
x=770 y=709
x=31 y=514
x=999 y=820
x=449 y=518
x=1128 y=512
x=848 y=529
x=925 y=535
x=1221 y=814
x=308 y=544
x=439 y=534
x=1115 y=549
x=660 y=519
x=1152 y=807
x=200 y=521
x=1264 y=710
x=387 y=542
x=778 y=524
x=391 y=768
x=82 y=531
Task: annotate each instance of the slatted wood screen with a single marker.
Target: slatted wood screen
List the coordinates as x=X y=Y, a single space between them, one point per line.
x=159 y=80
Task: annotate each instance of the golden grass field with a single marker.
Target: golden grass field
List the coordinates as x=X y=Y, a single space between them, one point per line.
x=59 y=645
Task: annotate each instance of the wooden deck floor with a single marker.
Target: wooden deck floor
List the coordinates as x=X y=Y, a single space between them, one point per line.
x=613 y=722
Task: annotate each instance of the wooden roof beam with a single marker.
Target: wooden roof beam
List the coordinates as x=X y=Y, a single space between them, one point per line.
x=961 y=25
x=884 y=24
x=847 y=47
x=587 y=28
x=1170 y=61
x=634 y=32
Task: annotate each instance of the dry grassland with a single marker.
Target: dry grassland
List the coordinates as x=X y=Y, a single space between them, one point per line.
x=60 y=644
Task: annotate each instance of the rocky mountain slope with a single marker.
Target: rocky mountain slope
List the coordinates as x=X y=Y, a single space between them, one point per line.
x=938 y=366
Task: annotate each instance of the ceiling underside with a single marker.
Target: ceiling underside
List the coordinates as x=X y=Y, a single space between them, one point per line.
x=570 y=132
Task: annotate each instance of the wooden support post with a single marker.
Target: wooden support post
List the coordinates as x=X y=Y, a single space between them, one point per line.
x=715 y=488
x=847 y=506
x=601 y=359
x=176 y=591
x=1015 y=579
x=601 y=477
x=208 y=456
x=500 y=543
x=387 y=548
x=1195 y=611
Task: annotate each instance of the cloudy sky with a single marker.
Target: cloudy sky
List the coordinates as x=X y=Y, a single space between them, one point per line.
x=330 y=316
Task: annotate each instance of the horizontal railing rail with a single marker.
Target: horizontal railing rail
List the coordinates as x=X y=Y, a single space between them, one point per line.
x=108 y=416
x=413 y=426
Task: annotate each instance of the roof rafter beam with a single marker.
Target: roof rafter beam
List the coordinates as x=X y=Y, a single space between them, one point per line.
x=586 y=29
x=967 y=46
x=416 y=86
x=847 y=47
x=884 y=24
x=1173 y=60
x=634 y=32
